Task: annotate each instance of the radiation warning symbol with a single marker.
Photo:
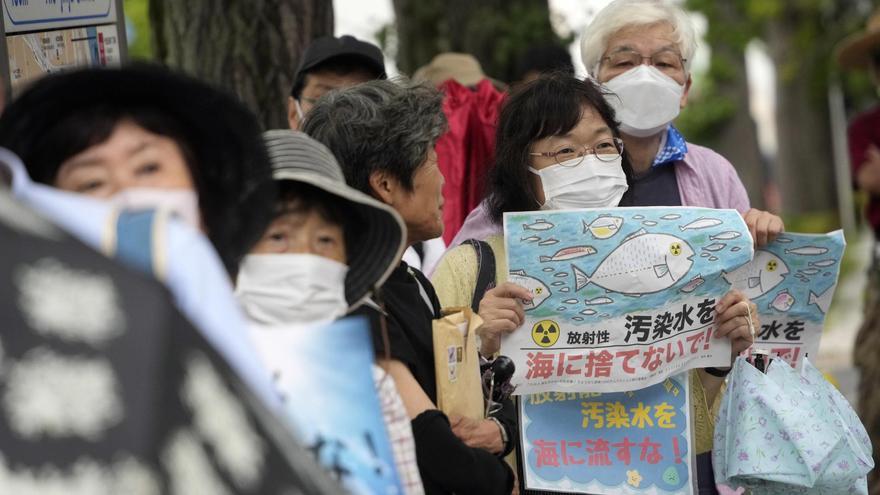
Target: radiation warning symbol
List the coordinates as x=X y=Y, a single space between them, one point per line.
x=545 y=333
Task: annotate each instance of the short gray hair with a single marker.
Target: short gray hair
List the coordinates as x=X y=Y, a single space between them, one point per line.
x=378 y=125
x=621 y=14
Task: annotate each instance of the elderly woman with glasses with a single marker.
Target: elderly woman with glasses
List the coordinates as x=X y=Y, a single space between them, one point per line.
x=558 y=146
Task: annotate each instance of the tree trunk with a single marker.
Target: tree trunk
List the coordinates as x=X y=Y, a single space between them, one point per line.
x=805 y=160
x=496 y=32
x=251 y=47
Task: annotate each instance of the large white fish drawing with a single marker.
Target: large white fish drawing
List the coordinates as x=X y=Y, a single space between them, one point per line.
x=569 y=253
x=603 y=227
x=823 y=301
x=701 y=223
x=758 y=276
x=807 y=251
x=539 y=224
x=539 y=291
x=642 y=264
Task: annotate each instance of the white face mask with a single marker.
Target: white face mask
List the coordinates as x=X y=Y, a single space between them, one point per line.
x=590 y=184
x=645 y=100
x=278 y=289
x=183 y=202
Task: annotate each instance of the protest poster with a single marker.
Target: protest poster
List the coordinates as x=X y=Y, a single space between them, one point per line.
x=792 y=281
x=615 y=443
x=332 y=402
x=622 y=297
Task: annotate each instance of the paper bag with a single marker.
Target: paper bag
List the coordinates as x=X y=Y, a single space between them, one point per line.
x=457 y=363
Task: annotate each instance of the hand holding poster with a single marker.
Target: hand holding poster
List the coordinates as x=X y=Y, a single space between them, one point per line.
x=625 y=442
x=623 y=297
x=792 y=281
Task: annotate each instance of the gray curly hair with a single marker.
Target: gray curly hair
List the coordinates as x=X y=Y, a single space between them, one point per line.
x=378 y=125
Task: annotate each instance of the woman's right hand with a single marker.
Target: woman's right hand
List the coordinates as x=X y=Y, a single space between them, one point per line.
x=502 y=312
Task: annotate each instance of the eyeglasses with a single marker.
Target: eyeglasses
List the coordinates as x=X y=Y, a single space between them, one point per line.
x=667 y=61
x=606 y=150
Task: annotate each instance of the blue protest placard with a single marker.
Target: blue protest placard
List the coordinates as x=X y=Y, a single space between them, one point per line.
x=614 y=443
x=622 y=297
x=324 y=374
x=792 y=281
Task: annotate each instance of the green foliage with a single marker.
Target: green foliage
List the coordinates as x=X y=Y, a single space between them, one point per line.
x=139 y=40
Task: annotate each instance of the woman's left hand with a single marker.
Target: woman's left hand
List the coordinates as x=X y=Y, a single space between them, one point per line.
x=735 y=313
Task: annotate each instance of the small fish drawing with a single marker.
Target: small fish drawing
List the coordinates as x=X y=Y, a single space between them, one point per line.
x=758 y=276
x=549 y=269
x=807 y=251
x=589 y=312
x=705 y=255
x=783 y=301
x=604 y=315
x=577 y=318
x=561 y=274
x=784 y=240
x=540 y=224
x=693 y=284
x=603 y=227
x=649 y=223
x=822 y=263
x=540 y=292
x=558 y=283
x=670 y=216
x=530 y=239
x=713 y=258
x=735 y=249
x=561 y=308
x=598 y=300
x=564 y=289
x=810 y=271
x=638 y=217
x=822 y=301
x=643 y=264
x=570 y=301
x=701 y=223
x=717 y=246
x=725 y=236
x=548 y=242
x=569 y=253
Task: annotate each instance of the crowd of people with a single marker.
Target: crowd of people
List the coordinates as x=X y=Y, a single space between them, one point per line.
x=256 y=231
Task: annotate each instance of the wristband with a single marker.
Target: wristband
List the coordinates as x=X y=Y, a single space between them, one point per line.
x=717 y=372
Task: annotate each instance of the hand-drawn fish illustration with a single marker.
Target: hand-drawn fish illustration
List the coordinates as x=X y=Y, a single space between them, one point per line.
x=548 y=242
x=807 y=251
x=604 y=315
x=713 y=258
x=561 y=308
x=603 y=227
x=649 y=223
x=539 y=291
x=540 y=224
x=561 y=275
x=758 y=276
x=784 y=240
x=701 y=223
x=670 y=216
x=598 y=300
x=577 y=318
x=715 y=246
x=558 y=283
x=705 y=255
x=549 y=269
x=725 y=236
x=570 y=301
x=564 y=289
x=822 y=263
x=735 y=249
x=569 y=253
x=589 y=312
x=810 y=271
x=532 y=238
x=823 y=301
x=642 y=264
x=693 y=284
x=783 y=301
x=638 y=217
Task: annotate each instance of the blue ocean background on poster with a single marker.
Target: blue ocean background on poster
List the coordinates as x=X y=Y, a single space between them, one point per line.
x=717 y=239
x=563 y=420
x=335 y=409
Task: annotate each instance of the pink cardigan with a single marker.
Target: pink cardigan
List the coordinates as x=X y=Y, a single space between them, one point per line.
x=704 y=178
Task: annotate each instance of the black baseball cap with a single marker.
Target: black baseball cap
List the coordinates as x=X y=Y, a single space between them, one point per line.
x=328 y=47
